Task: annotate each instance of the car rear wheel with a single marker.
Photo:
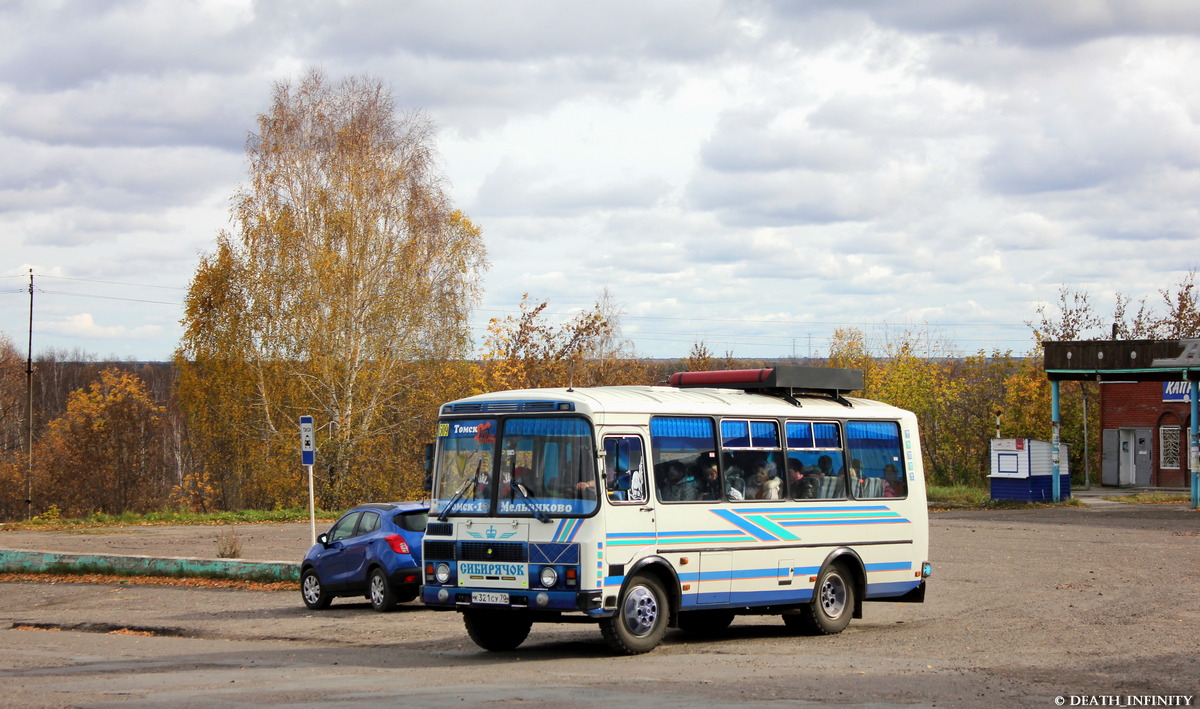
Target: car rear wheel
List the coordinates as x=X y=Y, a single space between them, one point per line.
x=380 y=593
x=497 y=631
x=313 y=591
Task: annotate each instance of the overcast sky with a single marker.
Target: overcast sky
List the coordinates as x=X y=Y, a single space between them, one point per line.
x=748 y=174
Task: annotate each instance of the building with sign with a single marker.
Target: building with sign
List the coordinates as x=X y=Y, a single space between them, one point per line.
x=1148 y=413
x=1144 y=433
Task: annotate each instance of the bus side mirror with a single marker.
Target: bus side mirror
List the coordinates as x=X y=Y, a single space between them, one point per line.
x=637 y=485
x=428 y=467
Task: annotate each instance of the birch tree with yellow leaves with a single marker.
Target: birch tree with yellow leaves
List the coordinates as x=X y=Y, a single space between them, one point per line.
x=345 y=286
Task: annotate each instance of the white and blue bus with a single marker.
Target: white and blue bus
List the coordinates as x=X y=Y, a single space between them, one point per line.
x=766 y=491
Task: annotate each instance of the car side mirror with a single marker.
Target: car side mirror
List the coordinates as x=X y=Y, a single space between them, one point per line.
x=323 y=539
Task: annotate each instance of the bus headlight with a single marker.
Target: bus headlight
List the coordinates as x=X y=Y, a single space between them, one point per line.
x=442 y=574
x=549 y=576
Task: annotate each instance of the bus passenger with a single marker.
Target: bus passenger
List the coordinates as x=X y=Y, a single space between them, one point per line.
x=802 y=487
x=893 y=483
x=710 y=480
x=770 y=487
x=678 y=485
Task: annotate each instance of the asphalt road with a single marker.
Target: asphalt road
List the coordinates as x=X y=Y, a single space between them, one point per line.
x=1024 y=607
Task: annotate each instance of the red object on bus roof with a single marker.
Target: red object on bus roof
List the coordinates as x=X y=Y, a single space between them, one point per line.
x=718 y=377
x=781 y=378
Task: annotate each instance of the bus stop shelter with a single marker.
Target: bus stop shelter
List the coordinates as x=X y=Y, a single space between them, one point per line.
x=1125 y=361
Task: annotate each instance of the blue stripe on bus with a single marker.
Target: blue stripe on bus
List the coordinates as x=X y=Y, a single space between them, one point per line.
x=798 y=594
x=833 y=515
x=806 y=509
x=765 y=522
x=774 y=573
x=846 y=523
x=567 y=529
x=724 y=599
x=666 y=535
x=755 y=531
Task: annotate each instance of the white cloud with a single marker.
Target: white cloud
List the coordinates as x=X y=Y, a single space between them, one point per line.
x=84 y=326
x=756 y=174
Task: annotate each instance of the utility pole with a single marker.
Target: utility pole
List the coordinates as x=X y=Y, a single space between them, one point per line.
x=29 y=406
x=1087 y=472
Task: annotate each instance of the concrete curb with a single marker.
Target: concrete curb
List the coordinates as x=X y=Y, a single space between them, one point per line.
x=28 y=561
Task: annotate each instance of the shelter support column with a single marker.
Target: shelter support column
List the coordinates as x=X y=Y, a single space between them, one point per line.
x=1055 y=485
x=1194 y=443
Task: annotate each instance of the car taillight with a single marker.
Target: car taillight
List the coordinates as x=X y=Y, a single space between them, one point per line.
x=397 y=543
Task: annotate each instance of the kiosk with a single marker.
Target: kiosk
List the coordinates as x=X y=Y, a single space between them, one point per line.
x=1023 y=469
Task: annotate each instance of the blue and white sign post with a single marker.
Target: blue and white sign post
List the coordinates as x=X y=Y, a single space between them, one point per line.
x=308 y=457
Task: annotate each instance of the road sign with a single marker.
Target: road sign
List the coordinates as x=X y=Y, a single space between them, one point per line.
x=308 y=451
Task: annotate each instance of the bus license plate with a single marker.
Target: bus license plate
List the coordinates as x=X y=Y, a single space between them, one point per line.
x=489 y=597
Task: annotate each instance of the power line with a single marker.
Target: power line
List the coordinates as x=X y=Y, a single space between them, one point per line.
x=107 y=297
x=115 y=283
x=837 y=323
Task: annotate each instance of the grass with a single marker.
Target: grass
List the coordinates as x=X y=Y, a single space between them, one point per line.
x=941 y=497
x=964 y=497
x=62 y=573
x=171 y=517
x=1151 y=498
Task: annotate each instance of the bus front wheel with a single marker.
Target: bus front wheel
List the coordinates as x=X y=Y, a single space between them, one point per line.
x=641 y=618
x=497 y=631
x=831 y=607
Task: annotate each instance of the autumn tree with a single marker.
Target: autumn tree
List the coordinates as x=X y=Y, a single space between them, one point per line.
x=700 y=358
x=527 y=351
x=12 y=395
x=104 y=454
x=347 y=281
x=1182 y=317
x=612 y=359
x=848 y=350
x=13 y=430
x=1073 y=318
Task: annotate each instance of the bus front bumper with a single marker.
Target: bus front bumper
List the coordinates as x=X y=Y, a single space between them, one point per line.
x=460 y=597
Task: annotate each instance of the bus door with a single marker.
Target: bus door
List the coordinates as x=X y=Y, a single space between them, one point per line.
x=628 y=510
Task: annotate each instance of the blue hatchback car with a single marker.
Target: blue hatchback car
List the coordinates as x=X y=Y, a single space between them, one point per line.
x=374 y=550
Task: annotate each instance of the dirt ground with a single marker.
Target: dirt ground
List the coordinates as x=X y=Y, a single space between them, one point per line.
x=1024 y=607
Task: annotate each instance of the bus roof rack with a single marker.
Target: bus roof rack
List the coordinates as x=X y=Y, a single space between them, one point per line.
x=784 y=381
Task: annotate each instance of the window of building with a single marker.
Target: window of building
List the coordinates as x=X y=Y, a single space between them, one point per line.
x=1168 y=445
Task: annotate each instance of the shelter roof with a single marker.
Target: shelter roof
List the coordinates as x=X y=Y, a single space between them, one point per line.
x=1122 y=360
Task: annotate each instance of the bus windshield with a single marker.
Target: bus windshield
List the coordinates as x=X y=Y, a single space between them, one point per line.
x=464 y=467
x=545 y=466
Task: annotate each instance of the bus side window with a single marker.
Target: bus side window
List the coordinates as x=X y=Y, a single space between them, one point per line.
x=877 y=468
x=680 y=444
x=624 y=474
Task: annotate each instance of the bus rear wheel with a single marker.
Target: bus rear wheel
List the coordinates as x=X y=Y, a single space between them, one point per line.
x=831 y=607
x=497 y=631
x=641 y=618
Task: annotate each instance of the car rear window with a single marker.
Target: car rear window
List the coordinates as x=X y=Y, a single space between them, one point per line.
x=412 y=521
